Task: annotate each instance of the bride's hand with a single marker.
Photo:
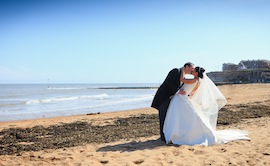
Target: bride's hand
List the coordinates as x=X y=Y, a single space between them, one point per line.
x=182 y=92
x=183 y=70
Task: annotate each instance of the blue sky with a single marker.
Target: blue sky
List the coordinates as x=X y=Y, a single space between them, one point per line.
x=127 y=41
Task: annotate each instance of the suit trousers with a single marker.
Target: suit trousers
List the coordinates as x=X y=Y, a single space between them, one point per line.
x=162 y=111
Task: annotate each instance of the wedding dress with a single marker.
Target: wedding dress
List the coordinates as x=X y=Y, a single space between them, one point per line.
x=191 y=121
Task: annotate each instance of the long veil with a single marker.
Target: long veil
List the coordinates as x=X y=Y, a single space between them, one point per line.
x=209 y=99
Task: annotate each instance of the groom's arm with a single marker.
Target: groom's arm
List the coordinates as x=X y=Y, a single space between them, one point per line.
x=172 y=81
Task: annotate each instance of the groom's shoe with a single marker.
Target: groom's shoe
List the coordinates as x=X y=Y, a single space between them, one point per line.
x=162 y=139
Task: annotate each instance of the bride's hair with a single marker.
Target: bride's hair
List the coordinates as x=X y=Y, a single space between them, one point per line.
x=200 y=71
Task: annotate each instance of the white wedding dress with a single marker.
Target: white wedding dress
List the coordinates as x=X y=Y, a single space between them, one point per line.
x=191 y=121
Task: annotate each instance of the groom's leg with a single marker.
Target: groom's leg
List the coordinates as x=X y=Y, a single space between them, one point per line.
x=162 y=111
x=161 y=123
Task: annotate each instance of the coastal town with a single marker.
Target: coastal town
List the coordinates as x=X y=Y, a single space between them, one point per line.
x=246 y=71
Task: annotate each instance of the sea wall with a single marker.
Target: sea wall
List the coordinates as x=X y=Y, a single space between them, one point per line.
x=240 y=76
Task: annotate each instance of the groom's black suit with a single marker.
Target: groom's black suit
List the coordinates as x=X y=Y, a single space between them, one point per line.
x=162 y=98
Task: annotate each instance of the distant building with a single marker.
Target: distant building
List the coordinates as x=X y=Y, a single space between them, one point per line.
x=247 y=64
x=242 y=66
x=256 y=64
x=249 y=71
x=229 y=66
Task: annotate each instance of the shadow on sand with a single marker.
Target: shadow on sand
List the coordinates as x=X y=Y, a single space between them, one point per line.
x=133 y=146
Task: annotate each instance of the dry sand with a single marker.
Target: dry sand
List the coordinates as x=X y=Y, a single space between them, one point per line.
x=148 y=150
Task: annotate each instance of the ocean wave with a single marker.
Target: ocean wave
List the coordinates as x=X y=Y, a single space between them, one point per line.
x=134 y=99
x=107 y=106
x=61 y=99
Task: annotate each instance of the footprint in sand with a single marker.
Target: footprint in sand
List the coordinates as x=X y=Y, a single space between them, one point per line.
x=54 y=158
x=222 y=150
x=191 y=149
x=176 y=153
x=104 y=161
x=200 y=152
x=236 y=154
x=138 y=161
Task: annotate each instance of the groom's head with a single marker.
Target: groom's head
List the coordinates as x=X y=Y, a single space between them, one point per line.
x=189 y=67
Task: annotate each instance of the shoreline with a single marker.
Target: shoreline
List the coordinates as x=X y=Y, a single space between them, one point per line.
x=73 y=118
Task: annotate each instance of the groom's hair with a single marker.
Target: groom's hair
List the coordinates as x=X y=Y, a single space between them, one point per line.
x=188 y=64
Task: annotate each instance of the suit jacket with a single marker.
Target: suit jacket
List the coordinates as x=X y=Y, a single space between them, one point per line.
x=168 y=88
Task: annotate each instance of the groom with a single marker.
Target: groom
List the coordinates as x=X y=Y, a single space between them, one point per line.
x=167 y=89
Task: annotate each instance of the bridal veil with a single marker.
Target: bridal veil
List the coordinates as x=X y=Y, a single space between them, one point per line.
x=209 y=99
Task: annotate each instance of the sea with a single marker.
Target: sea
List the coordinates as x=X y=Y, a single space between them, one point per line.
x=32 y=101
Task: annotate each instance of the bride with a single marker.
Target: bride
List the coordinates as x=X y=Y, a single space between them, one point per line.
x=192 y=117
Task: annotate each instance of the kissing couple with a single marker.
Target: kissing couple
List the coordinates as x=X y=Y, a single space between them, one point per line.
x=188 y=109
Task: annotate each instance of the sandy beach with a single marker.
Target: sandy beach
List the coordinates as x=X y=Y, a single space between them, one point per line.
x=132 y=137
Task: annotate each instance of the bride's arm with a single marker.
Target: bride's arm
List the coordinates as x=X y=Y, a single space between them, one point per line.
x=184 y=80
x=194 y=89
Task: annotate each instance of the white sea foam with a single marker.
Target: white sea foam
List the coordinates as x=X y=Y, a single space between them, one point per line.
x=61 y=99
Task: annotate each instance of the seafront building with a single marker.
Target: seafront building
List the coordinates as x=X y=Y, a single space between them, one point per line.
x=247 y=71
